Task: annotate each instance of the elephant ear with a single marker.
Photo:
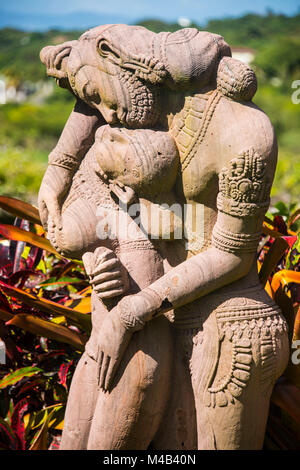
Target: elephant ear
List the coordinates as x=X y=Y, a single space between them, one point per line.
x=56 y=58
x=146 y=68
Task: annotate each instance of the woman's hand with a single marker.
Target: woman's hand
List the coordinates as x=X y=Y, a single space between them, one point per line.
x=54 y=187
x=113 y=340
x=107 y=275
x=129 y=316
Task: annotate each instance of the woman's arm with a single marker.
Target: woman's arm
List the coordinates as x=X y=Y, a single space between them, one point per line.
x=76 y=138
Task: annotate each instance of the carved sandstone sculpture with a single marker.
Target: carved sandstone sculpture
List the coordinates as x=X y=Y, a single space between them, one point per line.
x=186 y=344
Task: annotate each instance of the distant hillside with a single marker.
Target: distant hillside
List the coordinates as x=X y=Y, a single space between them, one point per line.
x=255 y=30
x=249 y=30
x=276 y=37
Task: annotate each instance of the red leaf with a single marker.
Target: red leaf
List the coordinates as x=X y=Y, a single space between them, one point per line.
x=271 y=259
x=63 y=371
x=48 y=306
x=290 y=240
x=8 y=433
x=4 y=302
x=17 y=422
x=29 y=385
x=19 y=278
x=5 y=261
x=279 y=224
x=48 y=329
x=55 y=443
x=34 y=257
x=16 y=248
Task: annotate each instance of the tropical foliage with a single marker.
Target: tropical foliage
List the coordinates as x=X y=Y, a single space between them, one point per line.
x=45 y=322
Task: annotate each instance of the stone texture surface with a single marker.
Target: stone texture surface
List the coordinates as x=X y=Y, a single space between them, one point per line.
x=186 y=345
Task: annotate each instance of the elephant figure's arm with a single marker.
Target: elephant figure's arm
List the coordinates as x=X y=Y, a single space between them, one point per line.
x=75 y=140
x=242 y=202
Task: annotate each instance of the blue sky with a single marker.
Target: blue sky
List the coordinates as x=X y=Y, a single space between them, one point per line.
x=198 y=10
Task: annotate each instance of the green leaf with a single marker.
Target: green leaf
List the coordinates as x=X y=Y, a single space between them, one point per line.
x=57 y=417
x=282 y=208
x=293 y=256
x=38 y=417
x=10 y=435
x=40 y=440
x=17 y=375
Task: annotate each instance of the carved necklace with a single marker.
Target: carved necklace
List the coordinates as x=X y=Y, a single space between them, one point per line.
x=191 y=126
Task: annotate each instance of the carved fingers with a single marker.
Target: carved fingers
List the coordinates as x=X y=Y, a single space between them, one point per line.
x=54 y=209
x=112 y=342
x=44 y=213
x=106 y=274
x=49 y=208
x=107 y=368
x=52 y=191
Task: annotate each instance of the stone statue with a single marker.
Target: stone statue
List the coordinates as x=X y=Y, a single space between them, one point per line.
x=186 y=345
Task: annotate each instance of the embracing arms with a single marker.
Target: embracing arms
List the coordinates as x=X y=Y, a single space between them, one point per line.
x=244 y=187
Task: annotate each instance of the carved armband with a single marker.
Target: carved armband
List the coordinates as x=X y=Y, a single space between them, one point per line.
x=129 y=319
x=136 y=310
x=244 y=189
x=63 y=160
x=235 y=243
